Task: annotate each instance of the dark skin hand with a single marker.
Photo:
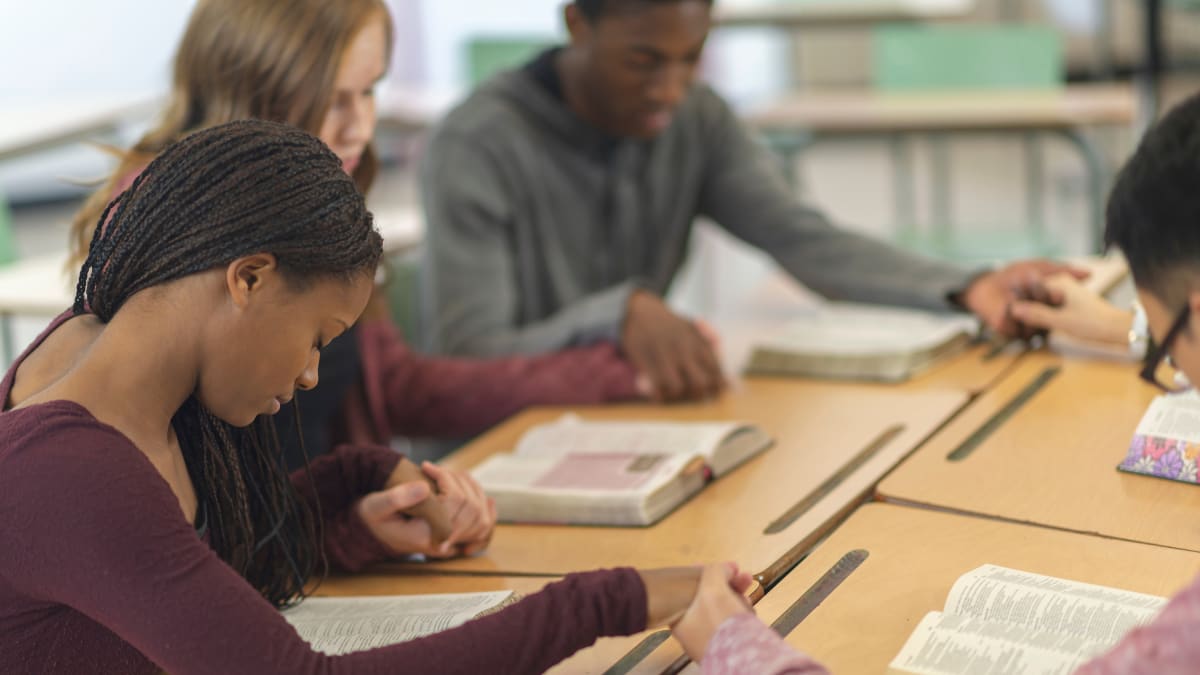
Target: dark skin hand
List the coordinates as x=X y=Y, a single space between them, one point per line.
x=671 y=351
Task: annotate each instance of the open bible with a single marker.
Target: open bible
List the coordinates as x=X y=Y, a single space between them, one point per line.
x=862 y=342
x=1001 y=621
x=351 y=624
x=612 y=473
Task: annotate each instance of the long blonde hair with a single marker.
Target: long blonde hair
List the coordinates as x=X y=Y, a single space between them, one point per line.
x=239 y=59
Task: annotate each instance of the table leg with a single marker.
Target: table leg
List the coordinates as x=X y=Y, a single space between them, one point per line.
x=7 y=340
x=1152 y=47
x=1097 y=174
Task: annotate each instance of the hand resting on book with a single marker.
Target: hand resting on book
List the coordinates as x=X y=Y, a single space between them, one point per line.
x=673 y=352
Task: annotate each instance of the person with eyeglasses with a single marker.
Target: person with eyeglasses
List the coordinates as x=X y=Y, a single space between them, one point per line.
x=1154 y=219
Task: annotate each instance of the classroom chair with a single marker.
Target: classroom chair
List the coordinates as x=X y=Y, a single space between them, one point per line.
x=915 y=59
x=8 y=244
x=8 y=255
x=403 y=292
x=488 y=55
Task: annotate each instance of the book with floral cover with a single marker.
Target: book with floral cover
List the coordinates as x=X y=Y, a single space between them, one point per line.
x=1167 y=440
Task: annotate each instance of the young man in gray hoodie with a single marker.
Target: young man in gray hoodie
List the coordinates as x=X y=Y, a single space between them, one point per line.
x=560 y=197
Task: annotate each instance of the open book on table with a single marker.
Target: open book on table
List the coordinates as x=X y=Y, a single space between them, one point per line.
x=862 y=342
x=999 y=620
x=612 y=473
x=1167 y=440
x=342 y=625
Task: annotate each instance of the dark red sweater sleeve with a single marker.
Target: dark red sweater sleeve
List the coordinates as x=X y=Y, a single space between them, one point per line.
x=91 y=530
x=459 y=397
x=339 y=479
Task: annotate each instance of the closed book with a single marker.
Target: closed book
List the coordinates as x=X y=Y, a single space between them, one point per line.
x=860 y=342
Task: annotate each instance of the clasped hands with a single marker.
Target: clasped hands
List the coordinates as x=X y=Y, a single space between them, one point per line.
x=430 y=510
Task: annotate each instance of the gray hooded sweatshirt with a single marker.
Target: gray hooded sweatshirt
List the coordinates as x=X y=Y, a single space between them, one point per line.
x=540 y=225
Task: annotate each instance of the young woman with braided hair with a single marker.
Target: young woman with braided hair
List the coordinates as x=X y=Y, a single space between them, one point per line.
x=148 y=521
x=314 y=64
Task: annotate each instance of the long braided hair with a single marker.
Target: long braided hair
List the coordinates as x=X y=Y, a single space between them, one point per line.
x=217 y=195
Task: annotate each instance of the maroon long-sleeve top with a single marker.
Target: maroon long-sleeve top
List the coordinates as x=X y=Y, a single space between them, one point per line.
x=101 y=572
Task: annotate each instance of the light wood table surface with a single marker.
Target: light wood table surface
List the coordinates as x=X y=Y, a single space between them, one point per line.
x=39 y=286
x=1053 y=462
x=874 y=112
x=382 y=582
x=414 y=108
x=818 y=428
x=804 y=13
x=33 y=127
x=915 y=556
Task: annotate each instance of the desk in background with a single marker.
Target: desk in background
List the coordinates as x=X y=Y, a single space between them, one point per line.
x=792 y=17
x=42 y=287
x=411 y=109
x=405 y=116
x=37 y=287
x=861 y=112
x=796 y=14
x=1063 y=113
x=25 y=129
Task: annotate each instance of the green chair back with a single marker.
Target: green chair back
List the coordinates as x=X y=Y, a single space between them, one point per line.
x=949 y=57
x=487 y=56
x=916 y=59
x=8 y=243
x=403 y=293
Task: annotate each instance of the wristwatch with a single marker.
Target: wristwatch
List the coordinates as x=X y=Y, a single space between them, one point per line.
x=1139 y=333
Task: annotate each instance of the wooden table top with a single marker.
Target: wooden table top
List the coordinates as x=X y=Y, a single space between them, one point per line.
x=1053 y=462
x=915 y=556
x=818 y=427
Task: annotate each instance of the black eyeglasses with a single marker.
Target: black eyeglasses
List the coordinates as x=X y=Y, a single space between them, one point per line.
x=1158 y=353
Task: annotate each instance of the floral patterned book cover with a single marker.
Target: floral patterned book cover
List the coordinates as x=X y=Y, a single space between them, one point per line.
x=1167 y=441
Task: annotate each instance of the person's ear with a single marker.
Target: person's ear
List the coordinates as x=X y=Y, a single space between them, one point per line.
x=579 y=29
x=244 y=277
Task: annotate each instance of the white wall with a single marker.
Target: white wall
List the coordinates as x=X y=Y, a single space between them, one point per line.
x=72 y=47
